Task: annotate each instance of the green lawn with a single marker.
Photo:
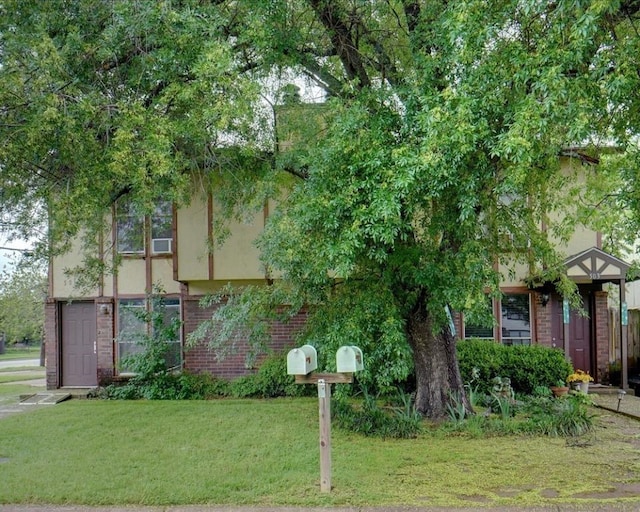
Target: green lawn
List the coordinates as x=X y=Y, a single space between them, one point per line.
x=266 y=453
x=6 y=377
x=20 y=353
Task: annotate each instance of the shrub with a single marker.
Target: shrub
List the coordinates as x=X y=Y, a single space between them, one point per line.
x=541 y=415
x=566 y=416
x=528 y=367
x=153 y=382
x=370 y=419
x=270 y=381
x=203 y=386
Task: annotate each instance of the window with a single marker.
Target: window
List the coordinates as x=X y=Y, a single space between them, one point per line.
x=133 y=326
x=515 y=319
x=132 y=225
x=472 y=330
x=129 y=229
x=161 y=224
x=171 y=319
x=477 y=331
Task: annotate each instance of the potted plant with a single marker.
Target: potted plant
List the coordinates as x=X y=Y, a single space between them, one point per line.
x=560 y=389
x=579 y=380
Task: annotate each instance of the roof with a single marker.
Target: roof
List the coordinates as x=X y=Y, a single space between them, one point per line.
x=594 y=264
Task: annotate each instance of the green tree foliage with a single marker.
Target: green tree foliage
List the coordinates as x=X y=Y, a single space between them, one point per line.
x=441 y=131
x=23 y=290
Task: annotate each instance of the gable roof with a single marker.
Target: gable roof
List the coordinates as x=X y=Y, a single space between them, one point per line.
x=595 y=265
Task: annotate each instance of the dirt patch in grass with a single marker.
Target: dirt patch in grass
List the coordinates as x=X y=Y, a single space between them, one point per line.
x=631 y=490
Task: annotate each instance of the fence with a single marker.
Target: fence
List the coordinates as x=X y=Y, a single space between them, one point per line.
x=633 y=337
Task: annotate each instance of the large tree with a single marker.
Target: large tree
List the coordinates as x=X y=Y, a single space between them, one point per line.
x=433 y=156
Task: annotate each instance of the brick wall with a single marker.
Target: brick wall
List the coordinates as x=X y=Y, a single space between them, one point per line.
x=601 y=355
x=543 y=316
x=51 y=344
x=200 y=358
x=104 y=341
x=458 y=324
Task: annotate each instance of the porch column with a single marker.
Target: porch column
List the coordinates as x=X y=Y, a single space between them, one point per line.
x=623 y=339
x=566 y=318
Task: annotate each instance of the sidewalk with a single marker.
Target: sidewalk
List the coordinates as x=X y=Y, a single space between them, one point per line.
x=17 y=363
x=629 y=405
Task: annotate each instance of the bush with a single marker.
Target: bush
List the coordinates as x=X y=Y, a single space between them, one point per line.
x=528 y=367
x=370 y=419
x=169 y=386
x=566 y=416
x=270 y=381
x=539 y=415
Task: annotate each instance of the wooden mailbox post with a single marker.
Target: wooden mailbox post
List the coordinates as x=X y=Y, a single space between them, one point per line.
x=323 y=381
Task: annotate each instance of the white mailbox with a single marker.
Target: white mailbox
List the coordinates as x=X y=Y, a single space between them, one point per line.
x=349 y=359
x=302 y=360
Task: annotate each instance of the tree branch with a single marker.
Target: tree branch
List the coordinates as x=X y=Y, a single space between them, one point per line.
x=342 y=41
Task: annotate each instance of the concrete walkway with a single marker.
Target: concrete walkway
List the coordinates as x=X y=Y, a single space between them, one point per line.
x=628 y=406
x=8 y=408
x=18 y=363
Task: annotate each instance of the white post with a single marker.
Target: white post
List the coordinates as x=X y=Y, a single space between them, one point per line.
x=324 y=402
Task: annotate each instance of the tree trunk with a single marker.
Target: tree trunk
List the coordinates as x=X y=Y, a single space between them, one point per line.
x=438 y=379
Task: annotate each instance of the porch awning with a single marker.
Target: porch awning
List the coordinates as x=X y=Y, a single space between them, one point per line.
x=595 y=265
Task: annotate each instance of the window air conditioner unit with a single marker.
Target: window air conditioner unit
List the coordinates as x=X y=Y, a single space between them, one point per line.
x=161 y=245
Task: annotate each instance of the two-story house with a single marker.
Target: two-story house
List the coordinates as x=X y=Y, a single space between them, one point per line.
x=88 y=333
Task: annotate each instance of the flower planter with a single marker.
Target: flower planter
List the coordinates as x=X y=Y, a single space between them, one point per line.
x=559 y=390
x=579 y=381
x=580 y=387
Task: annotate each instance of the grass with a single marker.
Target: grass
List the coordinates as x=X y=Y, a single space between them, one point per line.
x=14 y=376
x=266 y=453
x=12 y=353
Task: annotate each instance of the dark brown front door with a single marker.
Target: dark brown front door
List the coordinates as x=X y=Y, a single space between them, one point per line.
x=579 y=331
x=79 y=359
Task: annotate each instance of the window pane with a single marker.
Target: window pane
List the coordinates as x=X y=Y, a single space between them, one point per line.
x=171 y=319
x=477 y=331
x=515 y=321
x=130 y=229
x=472 y=330
x=131 y=329
x=161 y=222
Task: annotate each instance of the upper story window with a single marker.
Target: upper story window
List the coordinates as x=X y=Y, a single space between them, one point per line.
x=130 y=229
x=134 y=230
x=161 y=228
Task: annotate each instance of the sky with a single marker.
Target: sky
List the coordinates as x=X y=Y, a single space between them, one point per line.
x=7 y=256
